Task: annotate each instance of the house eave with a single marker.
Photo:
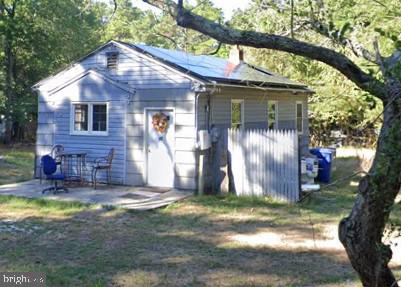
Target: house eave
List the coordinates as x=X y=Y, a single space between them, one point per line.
x=257 y=86
x=124 y=46
x=83 y=74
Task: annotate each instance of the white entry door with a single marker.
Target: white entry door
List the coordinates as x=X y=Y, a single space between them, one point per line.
x=160 y=141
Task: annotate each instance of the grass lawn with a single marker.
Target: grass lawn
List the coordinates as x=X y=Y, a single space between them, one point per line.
x=16 y=164
x=202 y=241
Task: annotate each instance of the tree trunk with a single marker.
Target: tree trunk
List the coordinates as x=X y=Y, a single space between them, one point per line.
x=361 y=232
x=9 y=67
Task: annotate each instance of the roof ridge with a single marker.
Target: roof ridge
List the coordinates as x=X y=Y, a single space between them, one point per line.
x=235 y=75
x=171 y=50
x=205 y=68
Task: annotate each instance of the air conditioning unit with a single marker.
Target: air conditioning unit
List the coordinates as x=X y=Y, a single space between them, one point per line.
x=309 y=171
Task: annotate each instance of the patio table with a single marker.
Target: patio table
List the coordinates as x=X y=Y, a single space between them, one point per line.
x=73 y=165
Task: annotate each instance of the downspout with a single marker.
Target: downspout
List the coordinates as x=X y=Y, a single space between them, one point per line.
x=210 y=94
x=207 y=116
x=199 y=161
x=198 y=94
x=35 y=173
x=129 y=100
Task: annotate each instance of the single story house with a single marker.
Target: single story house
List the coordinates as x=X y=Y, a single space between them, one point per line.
x=149 y=103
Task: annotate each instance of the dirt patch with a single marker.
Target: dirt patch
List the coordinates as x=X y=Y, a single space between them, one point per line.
x=16 y=227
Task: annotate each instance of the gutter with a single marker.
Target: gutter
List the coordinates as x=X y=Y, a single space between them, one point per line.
x=198 y=94
x=294 y=90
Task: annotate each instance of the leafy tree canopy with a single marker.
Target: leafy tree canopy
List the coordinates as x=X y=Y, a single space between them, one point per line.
x=337 y=104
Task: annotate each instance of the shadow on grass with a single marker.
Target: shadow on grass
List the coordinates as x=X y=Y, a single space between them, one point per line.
x=331 y=200
x=96 y=247
x=176 y=246
x=231 y=202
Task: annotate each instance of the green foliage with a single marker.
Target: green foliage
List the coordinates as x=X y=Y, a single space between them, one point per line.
x=48 y=35
x=131 y=24
x=128 y=23
x=338 y=104
x=168 y=34
x=43 y=36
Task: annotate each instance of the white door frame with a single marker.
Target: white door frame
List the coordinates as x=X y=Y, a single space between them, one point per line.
x=145 y=136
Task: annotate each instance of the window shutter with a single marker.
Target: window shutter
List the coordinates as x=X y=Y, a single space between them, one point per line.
x=112 y=60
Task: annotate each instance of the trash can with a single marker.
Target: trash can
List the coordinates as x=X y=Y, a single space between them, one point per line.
x=325 y=156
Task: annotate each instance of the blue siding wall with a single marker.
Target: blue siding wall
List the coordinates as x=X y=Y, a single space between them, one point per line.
x=255 y=110
x=156 y=86
x=45 y=130
x=88 y=89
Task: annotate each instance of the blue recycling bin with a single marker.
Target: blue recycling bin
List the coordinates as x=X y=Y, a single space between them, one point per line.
x=325 y=156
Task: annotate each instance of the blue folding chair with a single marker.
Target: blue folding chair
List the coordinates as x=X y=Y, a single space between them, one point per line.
x=49 y=167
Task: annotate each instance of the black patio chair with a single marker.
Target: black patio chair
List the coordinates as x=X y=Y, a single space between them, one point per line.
x=103 y=163
x=55 y=153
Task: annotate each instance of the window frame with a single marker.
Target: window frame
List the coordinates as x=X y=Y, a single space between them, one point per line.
x=237 y=101
x=275 y=102
x=90 y=131
x=73 y=116
x=300 y=132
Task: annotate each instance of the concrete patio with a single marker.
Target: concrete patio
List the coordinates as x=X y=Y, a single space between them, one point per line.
x=135 y=198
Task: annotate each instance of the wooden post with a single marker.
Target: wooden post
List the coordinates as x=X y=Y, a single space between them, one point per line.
x=224 y=185
x=215 y=161
x=215 y=156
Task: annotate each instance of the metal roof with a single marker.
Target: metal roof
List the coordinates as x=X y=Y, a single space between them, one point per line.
x=216 y=69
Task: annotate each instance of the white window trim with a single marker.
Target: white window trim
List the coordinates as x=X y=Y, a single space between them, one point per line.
x=237 y=101
x=89 y=132
x=302 y=117
x=275 y=113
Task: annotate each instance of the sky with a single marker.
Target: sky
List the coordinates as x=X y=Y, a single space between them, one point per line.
x=228 y=6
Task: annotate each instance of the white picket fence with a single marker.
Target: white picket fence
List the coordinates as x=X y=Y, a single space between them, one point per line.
x=265 y=163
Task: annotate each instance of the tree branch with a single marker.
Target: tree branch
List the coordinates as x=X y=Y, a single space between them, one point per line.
x=234 y=36
x=11 y=10
x=353 y=45
x=294 y=29
x=379 y=58
x=168 y=38
x=292 y=19
x=165 y=5
x=393 y=60
x=1 y=7
x=380 y=3
x=216 y=50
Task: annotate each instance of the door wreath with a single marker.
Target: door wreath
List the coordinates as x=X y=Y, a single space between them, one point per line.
x=160 y=122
